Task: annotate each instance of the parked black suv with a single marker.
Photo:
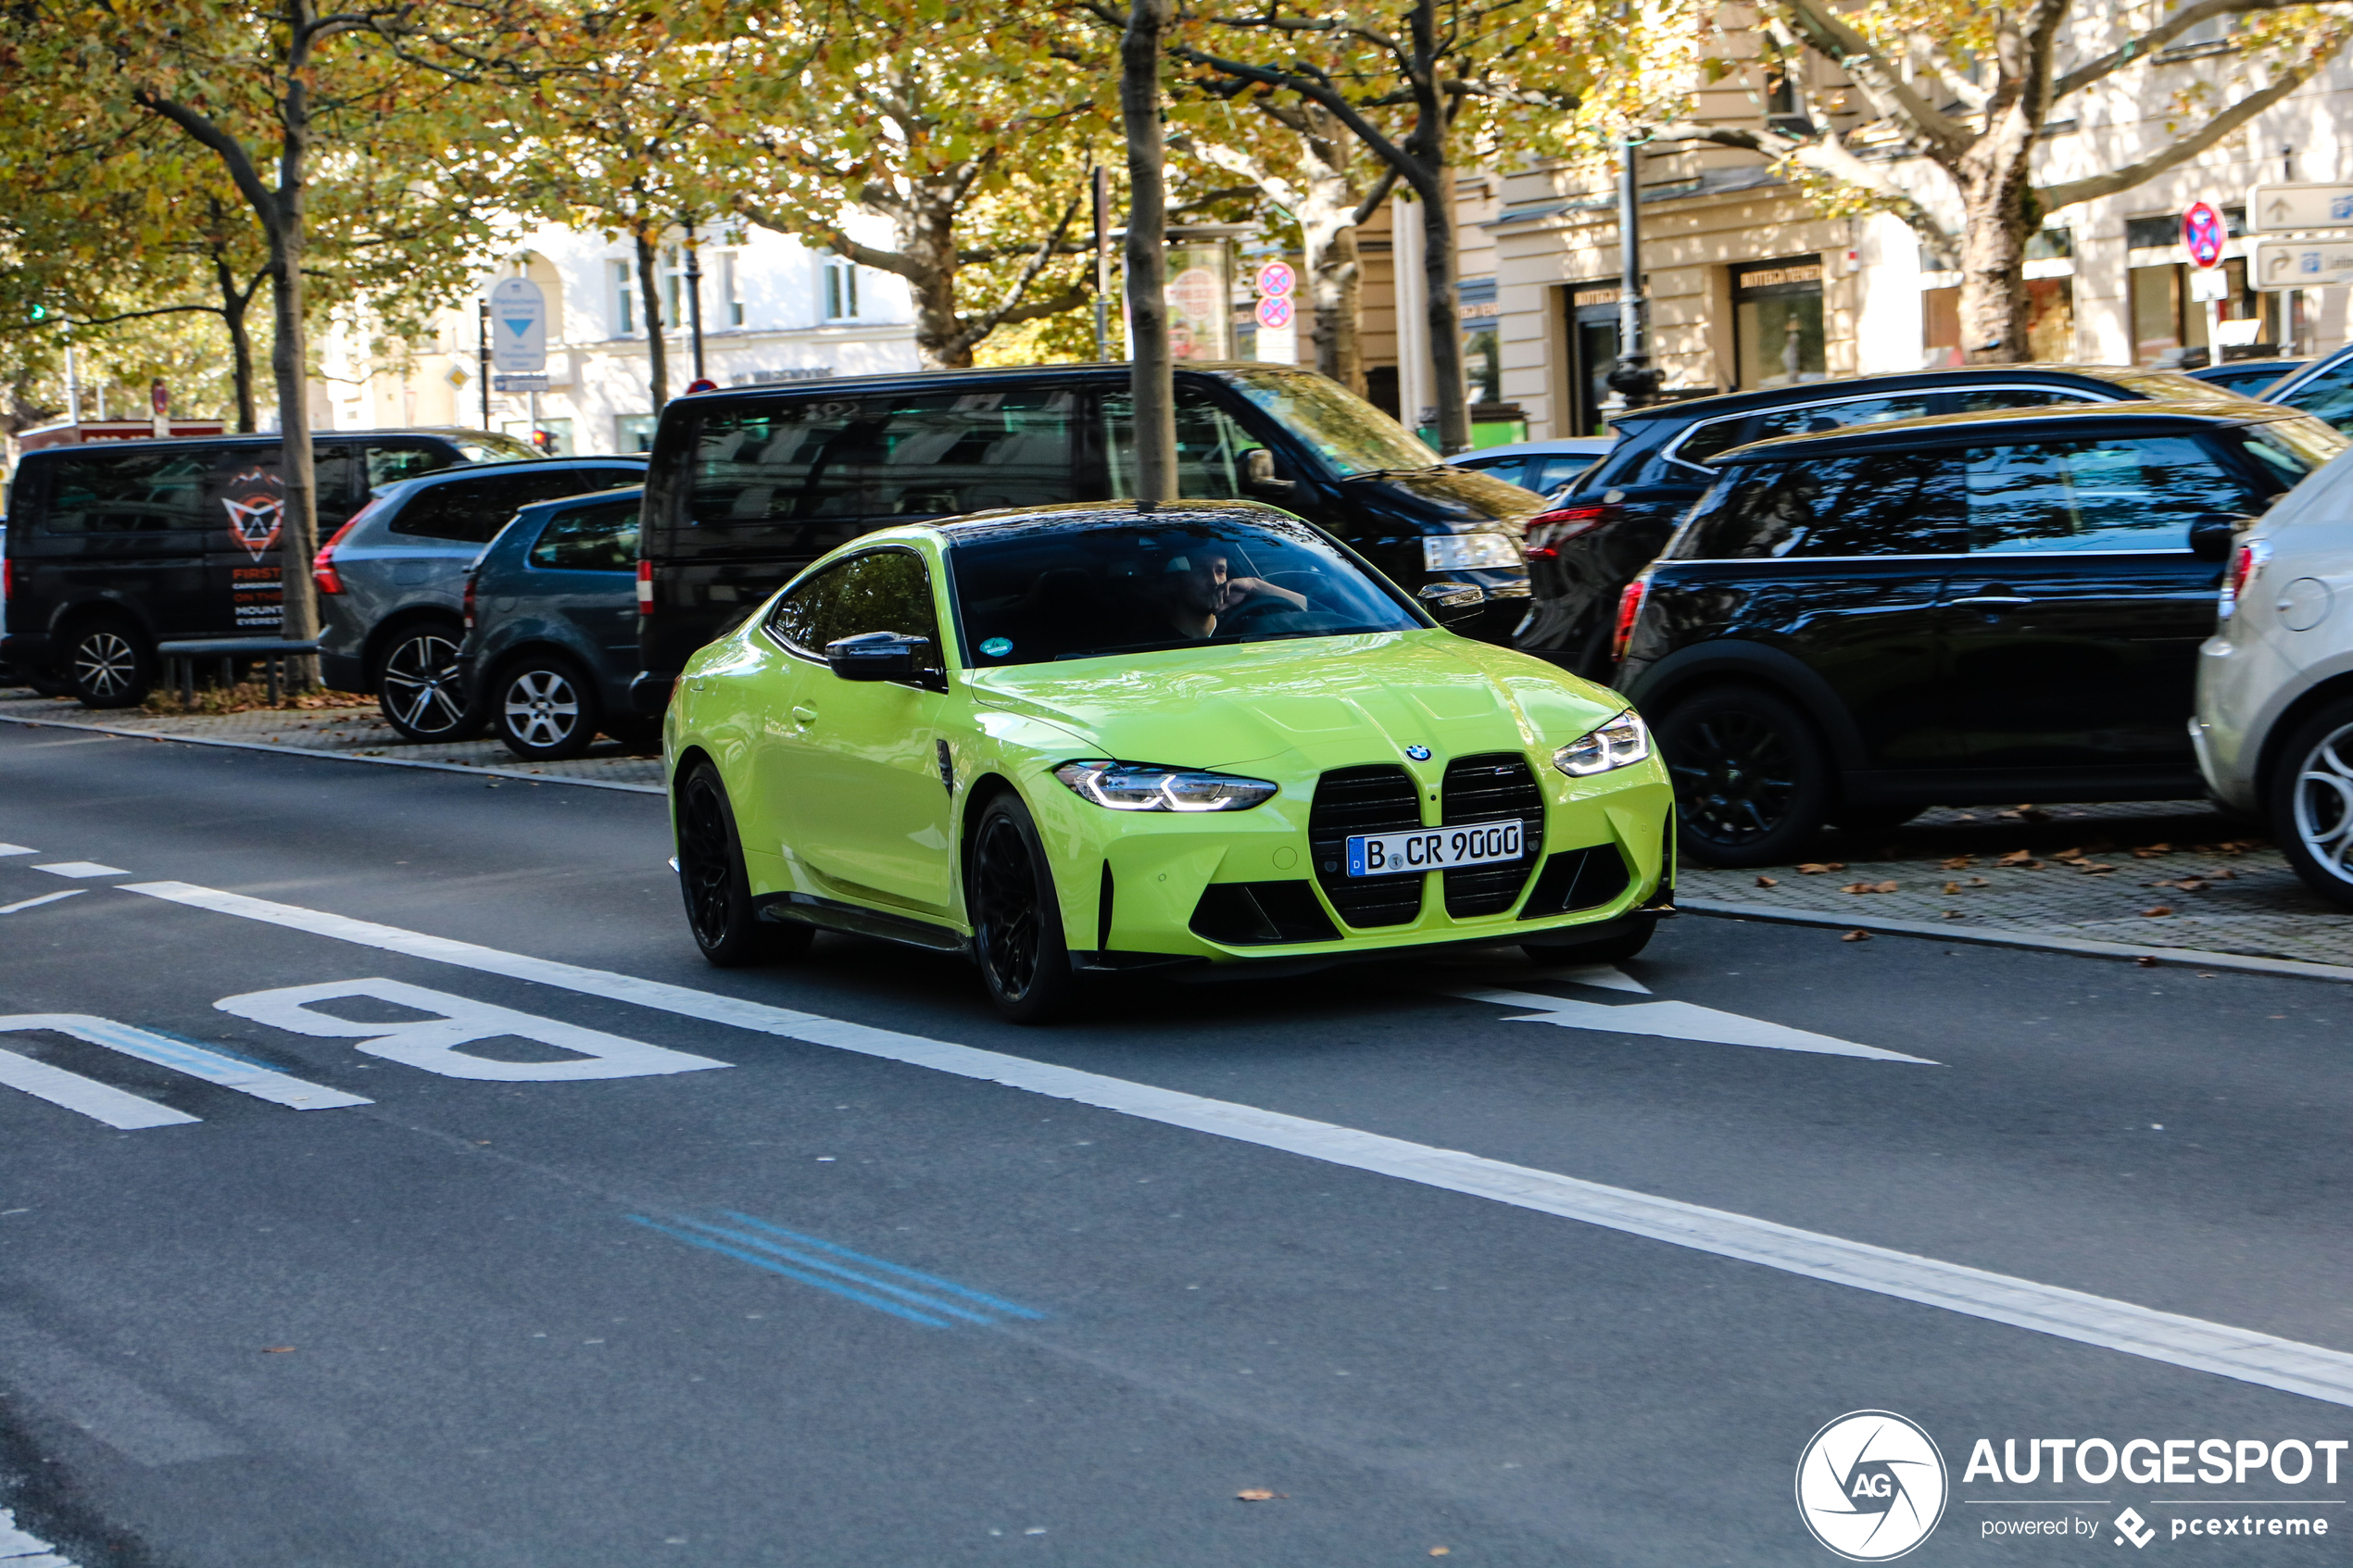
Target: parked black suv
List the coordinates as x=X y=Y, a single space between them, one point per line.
x=114 y=546
x=747 y=486
x=1616 y=517
x=1972 y=608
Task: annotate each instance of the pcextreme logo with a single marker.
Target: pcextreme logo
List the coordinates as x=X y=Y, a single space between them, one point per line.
x=1871 y=1486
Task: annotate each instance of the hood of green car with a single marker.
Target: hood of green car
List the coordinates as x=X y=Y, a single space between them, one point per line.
x=1339 y=701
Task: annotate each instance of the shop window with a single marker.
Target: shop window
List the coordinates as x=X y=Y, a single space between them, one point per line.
x=1777 y=322
x=2169 y=326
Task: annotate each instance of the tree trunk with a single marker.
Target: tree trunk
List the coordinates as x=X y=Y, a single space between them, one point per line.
x=234 y=307
x=649 y=292
x=1338 y=281
x=1436 y=189
x=299 y=523
x=1153 y=371
x=1997 y=202
x=925 y=235
x=1327 y=235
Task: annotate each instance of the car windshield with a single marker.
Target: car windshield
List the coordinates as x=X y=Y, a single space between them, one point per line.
x=2172 y=387
x=489 y=447
x=1031 y=594
x=2294 y=447
x=1349 y=434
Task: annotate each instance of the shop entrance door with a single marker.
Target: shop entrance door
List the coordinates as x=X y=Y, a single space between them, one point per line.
x=1592 y=354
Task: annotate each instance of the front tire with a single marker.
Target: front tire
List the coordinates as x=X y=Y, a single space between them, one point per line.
x=418 y=687
x=2311 y=802
x=1752 y=783
x=726 y=924
x=546 y=710
x=108 y=664
x=1017 y=927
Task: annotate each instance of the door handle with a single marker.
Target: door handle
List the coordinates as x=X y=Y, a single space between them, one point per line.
x=804 y=715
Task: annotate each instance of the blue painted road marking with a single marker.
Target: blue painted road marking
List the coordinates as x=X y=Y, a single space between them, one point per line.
x=827 y=1266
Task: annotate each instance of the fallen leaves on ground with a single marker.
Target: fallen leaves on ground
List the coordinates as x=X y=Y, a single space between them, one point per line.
x=2092 y=868
x=2157 y=909
x=2151 y=851
x=2067 y=853
x=1259 y=1494
x=1871 y=888
x=277 y=1349
x=2145 y=962
x=2186 y=884
x=1958 y=862
x=1856 y=936
x=1815 y=868
x=1955 y=914
x=1768 y=882
x=1441 y=1551
x=1951 y=887
x=2017 y=858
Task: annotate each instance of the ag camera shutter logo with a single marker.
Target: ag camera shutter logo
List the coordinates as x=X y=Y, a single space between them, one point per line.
x=1871 y=1486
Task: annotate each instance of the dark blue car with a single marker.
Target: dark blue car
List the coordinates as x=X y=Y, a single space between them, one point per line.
x=551 y=627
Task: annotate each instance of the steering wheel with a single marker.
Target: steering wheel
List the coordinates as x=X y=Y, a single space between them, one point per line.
x=1247 y=612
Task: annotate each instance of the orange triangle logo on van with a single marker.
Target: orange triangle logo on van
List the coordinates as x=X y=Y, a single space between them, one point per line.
x=257 y=503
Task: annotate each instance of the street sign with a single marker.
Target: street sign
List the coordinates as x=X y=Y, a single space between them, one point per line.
x=1275 y=311
x=159 y=398
x=2271 y=209
x=517 y=327
x=2302 y=264
x=518 y=383
x=2203 y=233
x=2209 y=285
x=1277 y=281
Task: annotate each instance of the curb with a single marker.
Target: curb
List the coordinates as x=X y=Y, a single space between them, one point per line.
x=332 y=755
x=2190 y=958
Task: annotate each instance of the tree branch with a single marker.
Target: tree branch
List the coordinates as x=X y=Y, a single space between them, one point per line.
x=1881 y=83
x=2139 y=48
x=976 y=327
x=2068 y=193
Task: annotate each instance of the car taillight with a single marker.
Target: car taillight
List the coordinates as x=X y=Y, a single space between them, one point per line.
x=1547 y=532
x=8 y=579
x=322 y=565
x=468 y=599
x=2244 y=566
x=645 y=587
x=1629 y=605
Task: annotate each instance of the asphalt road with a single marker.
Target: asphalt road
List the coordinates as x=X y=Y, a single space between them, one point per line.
x=766 y=1300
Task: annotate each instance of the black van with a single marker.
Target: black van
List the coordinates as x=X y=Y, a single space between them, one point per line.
x=113 y=546
x=747 y=486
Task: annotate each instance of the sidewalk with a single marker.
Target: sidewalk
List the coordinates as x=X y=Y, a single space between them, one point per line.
x=2099 y=873
x=2173 y=873
x=349 y=731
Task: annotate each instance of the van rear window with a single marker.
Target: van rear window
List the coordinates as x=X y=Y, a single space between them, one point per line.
x=902 y=455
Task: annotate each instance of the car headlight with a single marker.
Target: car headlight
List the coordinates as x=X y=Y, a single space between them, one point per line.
x=1468 y=552
x=1140 y=786
x=1624 y=740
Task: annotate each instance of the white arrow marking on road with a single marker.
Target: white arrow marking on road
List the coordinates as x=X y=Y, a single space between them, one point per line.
x=44 y=898
x=80 y=868
x=16 y=849
x=1676 y=1021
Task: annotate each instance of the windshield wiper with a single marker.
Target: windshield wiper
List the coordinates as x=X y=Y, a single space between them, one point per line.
x=1387 y=473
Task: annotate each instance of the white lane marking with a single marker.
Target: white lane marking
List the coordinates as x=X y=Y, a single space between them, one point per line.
x=80 y=868
x=1674 y=1021
x=18 y=1550
x=44 y=898
x=2310 y=1370
x=16 y=849
x=245 y=1077
x=100 y=1102
x=434 y=1044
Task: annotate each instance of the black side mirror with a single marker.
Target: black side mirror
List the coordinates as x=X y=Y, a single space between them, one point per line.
x=2211 y=533
x=1258 y=470
x=880 y=655
x=1452 y=603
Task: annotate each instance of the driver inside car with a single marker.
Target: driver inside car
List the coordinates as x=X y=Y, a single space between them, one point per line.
x=1194 y=591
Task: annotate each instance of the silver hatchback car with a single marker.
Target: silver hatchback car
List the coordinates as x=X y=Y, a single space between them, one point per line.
x=391 y=583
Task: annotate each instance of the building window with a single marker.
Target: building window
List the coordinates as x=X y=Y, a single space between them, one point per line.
x=673 y=283
x=624 y=298
x=841 y=289
x=1784 y=110
x=2169 y=325
x=730 y=302
x=1777 y=322
x=636 y=432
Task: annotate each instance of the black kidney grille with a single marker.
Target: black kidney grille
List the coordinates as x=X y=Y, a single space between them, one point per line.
x=1352 y=800
x=1491 y=788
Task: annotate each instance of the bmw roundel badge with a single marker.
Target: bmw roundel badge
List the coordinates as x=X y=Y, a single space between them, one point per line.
x=1417 y=753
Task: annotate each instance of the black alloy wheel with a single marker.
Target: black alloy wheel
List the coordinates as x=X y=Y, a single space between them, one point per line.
x=1017 y=929
x=2311 y=802
x=726 y=924
x=1609 y=949
x=418 y=687
x=109 y=665
x=1751 y=781
x=546 y=710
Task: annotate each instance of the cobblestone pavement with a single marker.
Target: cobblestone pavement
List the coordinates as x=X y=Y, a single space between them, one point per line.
x=351 y=732
x=2091 y=872
x=2173 y=873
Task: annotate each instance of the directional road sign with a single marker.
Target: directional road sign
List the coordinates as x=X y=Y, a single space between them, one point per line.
x=2271 y=209
x=517 y=327
x=2302 y=264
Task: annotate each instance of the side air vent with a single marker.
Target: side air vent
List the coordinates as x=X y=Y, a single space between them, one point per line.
x=1246 y=914
x=1353 y=800
x=1492 y=788
x=1578 y=879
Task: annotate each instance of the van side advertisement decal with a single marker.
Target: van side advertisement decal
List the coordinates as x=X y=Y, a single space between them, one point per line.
x=256 y=503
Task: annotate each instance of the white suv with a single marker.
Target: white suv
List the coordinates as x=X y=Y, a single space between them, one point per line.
x=2274 y=722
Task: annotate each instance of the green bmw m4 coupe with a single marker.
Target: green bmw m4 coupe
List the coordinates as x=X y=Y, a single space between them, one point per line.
x=1098 y=737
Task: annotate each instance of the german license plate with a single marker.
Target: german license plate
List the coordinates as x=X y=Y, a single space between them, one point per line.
x=1395 y=854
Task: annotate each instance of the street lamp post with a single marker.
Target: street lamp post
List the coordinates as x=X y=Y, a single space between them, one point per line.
x=694 y=296
x=483 y=338
x=1633 y=380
